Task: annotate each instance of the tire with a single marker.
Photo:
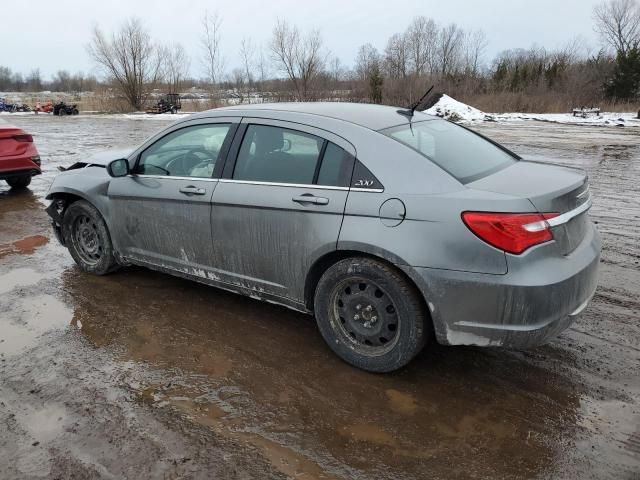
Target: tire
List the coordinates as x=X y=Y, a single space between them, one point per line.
x=62 y=112
x=20 y=182
x=75 y=111
x=174 y=111
x=370 y=315
x=86 y=236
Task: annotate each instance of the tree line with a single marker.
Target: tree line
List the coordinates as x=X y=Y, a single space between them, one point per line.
x=296 y=65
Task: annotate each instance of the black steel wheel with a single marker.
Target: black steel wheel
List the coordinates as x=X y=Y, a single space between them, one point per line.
x=368 y=317
x=370 y=314
x=87 y=238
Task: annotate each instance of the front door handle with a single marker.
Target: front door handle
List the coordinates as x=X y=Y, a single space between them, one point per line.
x=191 y=190
x=310 y=198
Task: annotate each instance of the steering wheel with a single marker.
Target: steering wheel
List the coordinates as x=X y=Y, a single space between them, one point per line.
x=182 y=165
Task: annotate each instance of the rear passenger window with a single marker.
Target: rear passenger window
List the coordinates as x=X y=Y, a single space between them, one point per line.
x=274 y=154
x=336 y=167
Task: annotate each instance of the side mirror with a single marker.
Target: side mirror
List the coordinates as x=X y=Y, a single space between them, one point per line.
x=118 y=168
x=286 y=145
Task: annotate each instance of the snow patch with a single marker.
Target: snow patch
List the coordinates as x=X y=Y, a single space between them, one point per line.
x=614 y=119
x=451 y=109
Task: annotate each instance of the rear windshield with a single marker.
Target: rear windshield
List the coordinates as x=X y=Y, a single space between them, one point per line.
x=460 y=152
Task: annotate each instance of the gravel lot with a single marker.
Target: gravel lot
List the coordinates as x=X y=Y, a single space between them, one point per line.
x=142 y=375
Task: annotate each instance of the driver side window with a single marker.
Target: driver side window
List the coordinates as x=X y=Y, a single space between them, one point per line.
x=188 y=152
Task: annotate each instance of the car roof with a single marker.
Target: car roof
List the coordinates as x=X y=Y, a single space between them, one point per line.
x=374 y=117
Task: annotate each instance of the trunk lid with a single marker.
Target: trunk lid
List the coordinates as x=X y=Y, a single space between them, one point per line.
x=550 y=188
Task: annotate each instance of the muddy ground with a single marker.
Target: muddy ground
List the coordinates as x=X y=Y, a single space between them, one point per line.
x=141 y=375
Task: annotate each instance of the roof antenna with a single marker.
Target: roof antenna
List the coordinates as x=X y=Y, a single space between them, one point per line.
x=412 y=108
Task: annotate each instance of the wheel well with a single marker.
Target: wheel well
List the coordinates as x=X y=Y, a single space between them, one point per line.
x=60 y=201
x=323 y=263
x=68 y=198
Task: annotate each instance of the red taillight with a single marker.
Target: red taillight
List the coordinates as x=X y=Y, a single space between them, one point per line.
x=25 y=137
x=511 y=232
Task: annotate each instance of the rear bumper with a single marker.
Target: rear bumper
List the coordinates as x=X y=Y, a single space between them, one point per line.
x=523 y=308
x=18 y=166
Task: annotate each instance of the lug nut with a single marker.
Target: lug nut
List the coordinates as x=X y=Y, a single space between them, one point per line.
x=356 y=317
x=358 y=307
x=369 y=308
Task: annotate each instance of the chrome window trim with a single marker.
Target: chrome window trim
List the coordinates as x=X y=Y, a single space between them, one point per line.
x=299 y=185
x=256 y=182
x=281 y=184
x=367 y=190
x=565 y=217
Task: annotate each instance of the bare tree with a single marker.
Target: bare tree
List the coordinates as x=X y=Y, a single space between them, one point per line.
x=34 y=80
x=176 y=66
x=247 y=58
x=336 y=71
x=367 y=56
x=449 y=47
x=129 y=58
x=210 y=43
x=475 y=44
x=238 y=80
x=421 y=37
x=263 y=67
x=300 y=57
x=61 y=81
x=369 y=72
x=397 y=56
x=618 y=23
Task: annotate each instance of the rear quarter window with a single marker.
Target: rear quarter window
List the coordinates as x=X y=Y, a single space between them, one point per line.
x=460 y=152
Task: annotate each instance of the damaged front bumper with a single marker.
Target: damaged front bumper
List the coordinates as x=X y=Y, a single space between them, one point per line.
x=55 y=210
x=523 y=308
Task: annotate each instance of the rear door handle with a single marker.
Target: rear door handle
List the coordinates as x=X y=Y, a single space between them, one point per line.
x=310 y=198
x=191 y=190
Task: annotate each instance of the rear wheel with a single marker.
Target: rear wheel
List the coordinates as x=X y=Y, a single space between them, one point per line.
x=22 y=181
x=85 y=234
x=370 y=315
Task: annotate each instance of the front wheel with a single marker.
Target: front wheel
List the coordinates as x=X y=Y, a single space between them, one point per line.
x=85 y=234
x=370 y=314
x=20 y=182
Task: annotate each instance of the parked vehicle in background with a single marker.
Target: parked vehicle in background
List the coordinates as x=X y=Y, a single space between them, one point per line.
x=390 y=226
x=13 y=107
x=19 y=158
x=61 y=108
x=46 y=107
x=585 y=112
x=4 y=106
x=170 y=103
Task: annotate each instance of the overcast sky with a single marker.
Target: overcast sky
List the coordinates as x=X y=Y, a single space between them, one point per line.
x=52 y=34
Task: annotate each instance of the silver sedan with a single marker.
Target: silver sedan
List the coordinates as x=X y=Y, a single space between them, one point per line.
x=392 y=227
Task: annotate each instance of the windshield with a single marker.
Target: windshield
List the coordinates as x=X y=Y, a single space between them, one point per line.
x=460 y=152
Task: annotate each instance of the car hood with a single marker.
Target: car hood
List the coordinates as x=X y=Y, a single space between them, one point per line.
x=104 y=157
